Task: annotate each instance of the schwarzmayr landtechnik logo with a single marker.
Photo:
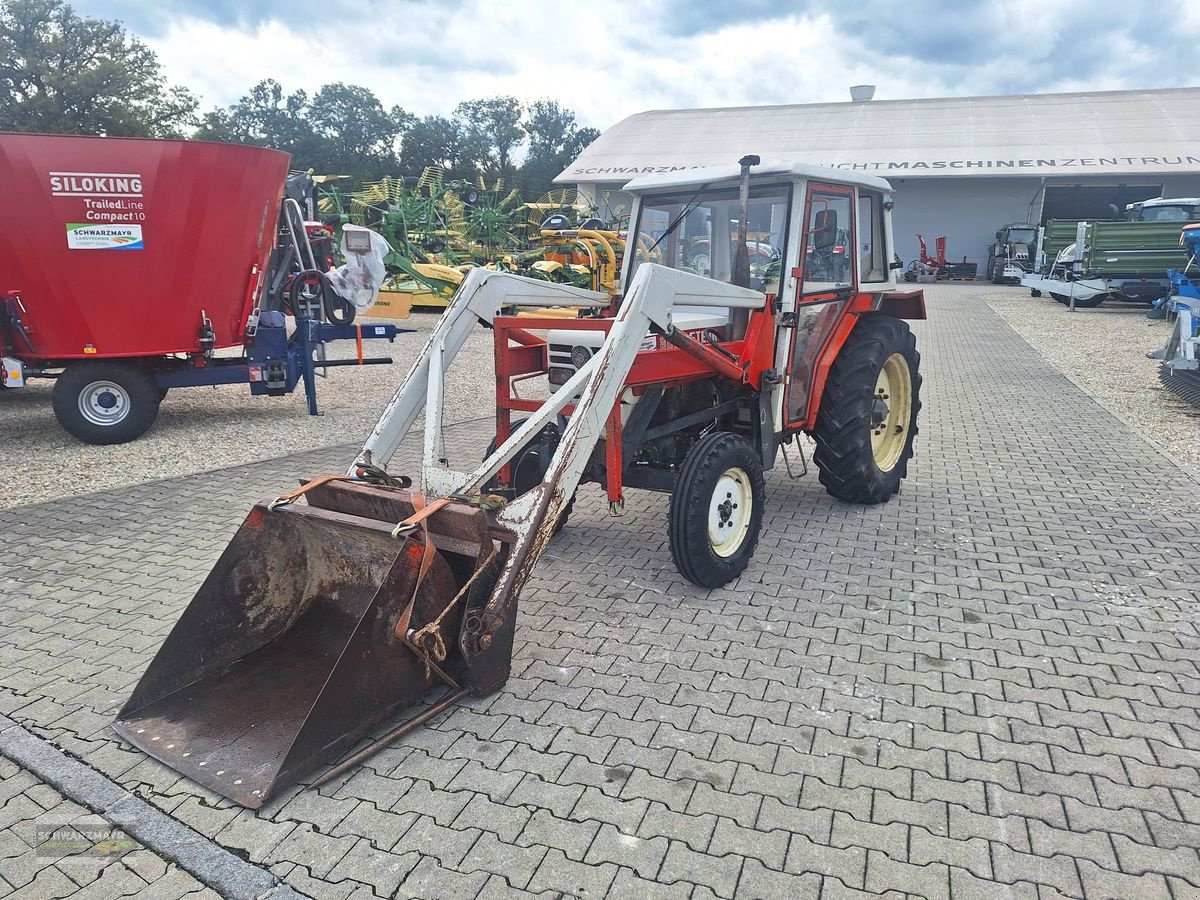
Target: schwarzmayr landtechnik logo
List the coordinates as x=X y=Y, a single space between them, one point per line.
x=87 y=836
x=81 y=236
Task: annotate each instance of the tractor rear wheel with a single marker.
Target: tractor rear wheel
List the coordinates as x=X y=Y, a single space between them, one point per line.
x=105 y=402
x=868 y=417
x=716 y=510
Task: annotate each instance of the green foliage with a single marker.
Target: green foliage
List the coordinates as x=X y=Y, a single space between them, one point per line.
x=435 y=141
x=355 y=132
x=491 y=132
x=65 y=74
x=555 y=140
x=343 y=129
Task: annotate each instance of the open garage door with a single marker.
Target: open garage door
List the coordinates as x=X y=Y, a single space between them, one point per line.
x=1077 y=201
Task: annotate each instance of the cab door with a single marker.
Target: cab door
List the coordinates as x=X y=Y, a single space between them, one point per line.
x=826 y=281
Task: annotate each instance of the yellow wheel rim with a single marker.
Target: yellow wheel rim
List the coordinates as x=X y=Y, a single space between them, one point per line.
x=891 y=412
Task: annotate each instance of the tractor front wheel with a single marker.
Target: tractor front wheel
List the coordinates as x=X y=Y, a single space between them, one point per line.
x=105 y=402
x=716 y=510
x=868 y=417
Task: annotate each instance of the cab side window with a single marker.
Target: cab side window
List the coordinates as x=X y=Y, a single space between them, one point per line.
x=872 y=264
x=828 y=259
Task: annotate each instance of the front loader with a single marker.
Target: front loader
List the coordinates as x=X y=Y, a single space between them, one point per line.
x=339 y=604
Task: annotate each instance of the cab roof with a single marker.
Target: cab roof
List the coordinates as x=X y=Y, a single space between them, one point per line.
x=1166 y=201
x=696 y=177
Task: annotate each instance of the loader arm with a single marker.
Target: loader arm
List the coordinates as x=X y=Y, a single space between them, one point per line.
x=486 y=640
x=338 y=605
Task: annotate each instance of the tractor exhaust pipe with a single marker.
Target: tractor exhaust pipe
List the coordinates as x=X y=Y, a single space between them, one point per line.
x=739 y=319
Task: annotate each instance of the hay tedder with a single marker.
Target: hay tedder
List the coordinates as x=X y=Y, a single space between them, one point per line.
x=337 y=605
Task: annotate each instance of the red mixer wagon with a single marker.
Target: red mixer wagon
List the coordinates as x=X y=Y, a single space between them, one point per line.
x=126 y=262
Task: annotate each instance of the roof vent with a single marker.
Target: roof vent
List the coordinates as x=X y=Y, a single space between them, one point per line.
x=861 y=93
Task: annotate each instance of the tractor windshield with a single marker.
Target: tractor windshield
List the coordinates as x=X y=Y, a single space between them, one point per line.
x=696 y=231
x=1021 y=235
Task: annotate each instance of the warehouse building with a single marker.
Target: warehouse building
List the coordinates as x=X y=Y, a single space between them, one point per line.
x=962 y=166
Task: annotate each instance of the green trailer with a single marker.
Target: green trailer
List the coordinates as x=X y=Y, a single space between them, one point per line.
x=1118 y=260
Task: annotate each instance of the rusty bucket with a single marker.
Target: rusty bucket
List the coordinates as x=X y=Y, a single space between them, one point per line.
x=289 y=654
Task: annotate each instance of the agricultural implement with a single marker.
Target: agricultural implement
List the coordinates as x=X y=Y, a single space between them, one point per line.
x=1011 y=255
x=340 y=603
x=1180 y=370
x=127 y=264
x=1083 y=263
x=927 y=269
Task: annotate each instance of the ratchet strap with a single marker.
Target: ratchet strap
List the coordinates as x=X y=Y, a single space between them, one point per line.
x=421 y=512
x=373 y=475
x=304 y=489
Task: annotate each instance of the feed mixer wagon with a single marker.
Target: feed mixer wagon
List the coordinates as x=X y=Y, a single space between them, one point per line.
x=340 y=603
x=128 y=265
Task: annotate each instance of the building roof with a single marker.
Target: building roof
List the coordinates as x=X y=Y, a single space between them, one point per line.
x=683 y=178
x=1096 y=133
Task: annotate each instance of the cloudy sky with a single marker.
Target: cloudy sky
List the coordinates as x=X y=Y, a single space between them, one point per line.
x=609 y=60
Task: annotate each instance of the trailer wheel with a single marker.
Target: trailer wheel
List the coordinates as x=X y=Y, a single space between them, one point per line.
x=868 y=416
x=105 y=402
x=716 y=510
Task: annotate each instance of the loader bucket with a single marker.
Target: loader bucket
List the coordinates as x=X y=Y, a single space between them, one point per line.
x=287 y=655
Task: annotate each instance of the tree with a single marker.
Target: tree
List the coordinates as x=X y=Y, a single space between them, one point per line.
x=65 y=74
x=266 y=117
x=356 y=132
x=493 y=132
x=434 y=141
x=554 y=142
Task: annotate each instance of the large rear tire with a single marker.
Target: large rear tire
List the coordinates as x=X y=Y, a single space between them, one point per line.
x=105 y=402
x=716 y=510
x=868 y=416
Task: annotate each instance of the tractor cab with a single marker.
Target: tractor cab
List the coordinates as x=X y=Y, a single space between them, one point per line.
x=815 y=236
x=825 y=227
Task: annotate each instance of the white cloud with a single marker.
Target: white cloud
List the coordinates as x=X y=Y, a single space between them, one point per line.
x=609 y=62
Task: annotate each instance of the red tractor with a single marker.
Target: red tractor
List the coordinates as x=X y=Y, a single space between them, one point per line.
x=338 y=604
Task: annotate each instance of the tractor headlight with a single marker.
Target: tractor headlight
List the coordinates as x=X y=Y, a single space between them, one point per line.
x=580 y=356
x=560 y=375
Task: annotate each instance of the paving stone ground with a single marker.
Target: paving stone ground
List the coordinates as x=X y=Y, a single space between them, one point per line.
x=29 y=867
x=985 y=688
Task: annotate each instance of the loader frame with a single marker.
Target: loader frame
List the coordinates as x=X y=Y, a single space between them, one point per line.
x=591 y=398
x=420 y=583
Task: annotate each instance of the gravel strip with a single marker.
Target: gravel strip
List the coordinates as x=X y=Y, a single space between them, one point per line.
x=213 y=427
x=1103 y=350
x=198 y=429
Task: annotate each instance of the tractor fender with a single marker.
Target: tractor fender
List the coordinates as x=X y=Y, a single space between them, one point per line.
x=901 y=304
